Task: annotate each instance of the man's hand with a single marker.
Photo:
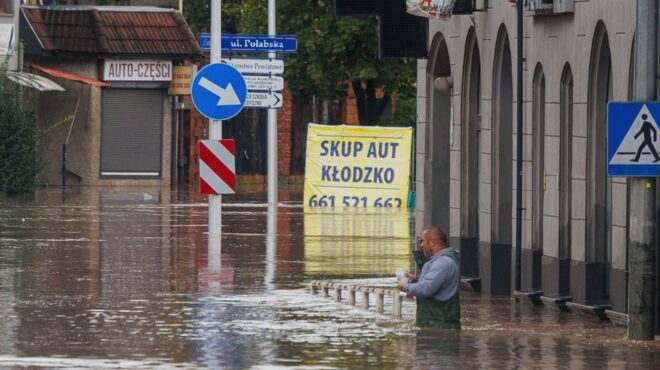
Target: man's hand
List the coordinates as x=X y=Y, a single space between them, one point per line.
x=411 y=279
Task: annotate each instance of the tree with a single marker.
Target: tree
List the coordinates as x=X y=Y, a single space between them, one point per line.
x=333 y=53
x=18 y=141
x=238 y=16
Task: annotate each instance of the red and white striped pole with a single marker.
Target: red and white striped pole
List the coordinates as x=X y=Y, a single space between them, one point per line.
x=217 y=171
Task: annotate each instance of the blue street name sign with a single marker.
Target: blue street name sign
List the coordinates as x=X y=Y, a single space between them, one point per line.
x=219 y=91
x=252 y=43
x=633 y=139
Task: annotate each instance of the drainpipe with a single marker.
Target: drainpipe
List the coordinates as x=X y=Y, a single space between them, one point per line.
x=174 y=143
x=519 y=140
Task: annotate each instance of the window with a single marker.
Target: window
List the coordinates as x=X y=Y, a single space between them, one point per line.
x=6 y=6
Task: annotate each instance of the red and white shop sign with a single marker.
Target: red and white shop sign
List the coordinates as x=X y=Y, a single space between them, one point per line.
x=137 y=70
x=217 y=171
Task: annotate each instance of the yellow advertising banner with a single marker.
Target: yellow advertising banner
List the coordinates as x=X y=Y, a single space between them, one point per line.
x=181 y=83
x=357 y=166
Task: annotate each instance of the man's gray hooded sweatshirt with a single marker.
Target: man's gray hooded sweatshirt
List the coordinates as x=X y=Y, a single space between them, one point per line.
x=440 y=277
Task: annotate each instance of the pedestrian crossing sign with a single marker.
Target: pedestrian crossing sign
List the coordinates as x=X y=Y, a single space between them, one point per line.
x=633 y=135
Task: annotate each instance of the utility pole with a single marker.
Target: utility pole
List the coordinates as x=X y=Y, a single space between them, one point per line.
x=642 y=233
x=519 y=141
x=272 y=123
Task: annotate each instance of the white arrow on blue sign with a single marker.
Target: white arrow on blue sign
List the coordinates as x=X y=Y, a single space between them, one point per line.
x=633 y=135
x=219 y=91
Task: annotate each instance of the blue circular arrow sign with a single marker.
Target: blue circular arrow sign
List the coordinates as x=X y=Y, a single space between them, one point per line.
x=219 y=91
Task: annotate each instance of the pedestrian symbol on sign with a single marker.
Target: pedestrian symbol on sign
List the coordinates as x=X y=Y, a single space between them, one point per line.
x=639 y=145
x=647 y=129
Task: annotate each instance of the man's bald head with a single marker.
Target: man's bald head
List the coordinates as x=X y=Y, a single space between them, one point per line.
x=433 y=240
x=436 y=233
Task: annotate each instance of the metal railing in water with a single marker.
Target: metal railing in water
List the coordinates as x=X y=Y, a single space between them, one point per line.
x=366 y=292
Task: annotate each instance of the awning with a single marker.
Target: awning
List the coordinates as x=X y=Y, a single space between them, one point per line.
x=71 y=76
x=37 y=82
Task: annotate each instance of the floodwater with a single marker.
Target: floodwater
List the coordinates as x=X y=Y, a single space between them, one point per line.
x=121 y=278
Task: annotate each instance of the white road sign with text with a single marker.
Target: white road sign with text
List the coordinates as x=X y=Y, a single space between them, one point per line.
x=266 y=100
x=264 y=83
x=257 y=66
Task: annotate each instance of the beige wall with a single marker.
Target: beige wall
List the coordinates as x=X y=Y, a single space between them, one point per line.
x=551 y=41
x=54 y=112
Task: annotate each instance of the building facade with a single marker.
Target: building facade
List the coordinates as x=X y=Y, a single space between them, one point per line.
x=575 y=217
x=115 y=122
x=9 y=10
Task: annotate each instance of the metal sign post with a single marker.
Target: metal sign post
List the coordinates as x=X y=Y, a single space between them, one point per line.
x=272 y=123
x=215 y=133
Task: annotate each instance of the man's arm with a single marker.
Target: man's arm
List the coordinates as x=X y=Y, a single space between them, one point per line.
x=433 y=280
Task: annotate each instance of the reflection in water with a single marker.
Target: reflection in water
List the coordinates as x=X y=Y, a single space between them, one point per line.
x=271 y=246
x=356 y=241
x=131 y=259
x=115 y=278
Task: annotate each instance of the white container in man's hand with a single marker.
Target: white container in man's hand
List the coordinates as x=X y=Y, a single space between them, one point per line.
x=402 y=275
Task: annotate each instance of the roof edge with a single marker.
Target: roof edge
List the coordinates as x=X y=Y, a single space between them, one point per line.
x=101 y=8
x=27 y=20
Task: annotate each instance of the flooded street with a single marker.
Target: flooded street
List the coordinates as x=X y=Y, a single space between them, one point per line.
x=121 y=278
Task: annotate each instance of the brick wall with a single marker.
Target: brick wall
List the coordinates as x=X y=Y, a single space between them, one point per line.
x=284 y=122
x=350 y=108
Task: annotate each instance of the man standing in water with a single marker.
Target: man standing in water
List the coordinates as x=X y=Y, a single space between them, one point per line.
x=437 y=290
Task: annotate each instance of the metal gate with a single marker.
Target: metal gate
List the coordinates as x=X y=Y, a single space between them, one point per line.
x=131 y=133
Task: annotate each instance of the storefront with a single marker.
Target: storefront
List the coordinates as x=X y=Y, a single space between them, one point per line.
x=132 y=112
x=116 y=119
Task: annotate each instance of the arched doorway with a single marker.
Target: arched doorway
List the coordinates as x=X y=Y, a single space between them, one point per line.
x=599 y=186
x=438 y=133
x=556 y=263
x=532 y=257
x=565 y=179
x=470 y=129
x=495 y=260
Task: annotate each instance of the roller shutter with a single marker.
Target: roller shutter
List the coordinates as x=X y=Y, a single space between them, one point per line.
x=131 y=133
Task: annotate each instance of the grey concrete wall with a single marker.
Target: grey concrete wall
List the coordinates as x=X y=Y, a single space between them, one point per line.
x=550 y=41
x=422 y=216
x=55 y=111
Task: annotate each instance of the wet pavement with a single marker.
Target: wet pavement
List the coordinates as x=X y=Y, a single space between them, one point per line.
x=121 y=278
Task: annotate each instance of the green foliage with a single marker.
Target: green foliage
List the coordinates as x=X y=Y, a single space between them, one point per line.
x=238 y=16
x=406 y=109
x=333 y=53
x=18 y=142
